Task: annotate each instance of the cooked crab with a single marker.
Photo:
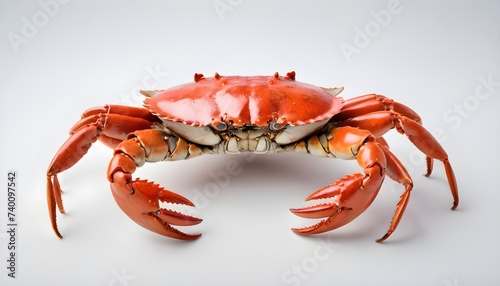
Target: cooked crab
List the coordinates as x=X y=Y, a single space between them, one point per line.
x=261 y=114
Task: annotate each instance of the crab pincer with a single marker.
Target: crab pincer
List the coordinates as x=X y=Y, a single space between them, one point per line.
x=140 y=199
x=352 y=194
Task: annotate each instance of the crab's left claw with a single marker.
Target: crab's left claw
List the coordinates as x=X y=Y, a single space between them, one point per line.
x=335 y=213
x=140 y=200
x=352 y=195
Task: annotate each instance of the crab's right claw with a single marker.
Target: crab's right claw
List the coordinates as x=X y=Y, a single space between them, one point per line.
x=140 y=200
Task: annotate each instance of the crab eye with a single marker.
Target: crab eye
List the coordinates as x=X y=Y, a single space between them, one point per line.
x=275 y=126
x=220 y=125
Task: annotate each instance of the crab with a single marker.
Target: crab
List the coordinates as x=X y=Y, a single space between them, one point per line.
x=260 y=114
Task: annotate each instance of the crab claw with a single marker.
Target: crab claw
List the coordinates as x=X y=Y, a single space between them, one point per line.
x=140 y=200
x=352 y=194
x=336 y=213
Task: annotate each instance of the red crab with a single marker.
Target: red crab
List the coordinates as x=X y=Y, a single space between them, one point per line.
x=261 y=114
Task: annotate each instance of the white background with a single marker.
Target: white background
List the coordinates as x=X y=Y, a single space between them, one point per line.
x=59 y=58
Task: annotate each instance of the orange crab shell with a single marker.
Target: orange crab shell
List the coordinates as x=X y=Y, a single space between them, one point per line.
x=245 y=101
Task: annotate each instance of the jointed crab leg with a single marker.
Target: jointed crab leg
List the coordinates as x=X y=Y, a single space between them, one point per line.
x=396 y=171
x=109 y=124
x=371 y=103
x=415 y=132
x=118 y=121
x=353 y=194
x=368 y=103
x=139 y=199
x=379 y=114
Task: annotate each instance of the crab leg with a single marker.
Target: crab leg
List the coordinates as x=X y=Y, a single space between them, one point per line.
x=369 y=103
x=106 y=125
x=373 y=102
x=396 y=171
x=114 y=117
x=139 y=199
x=378 y=123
